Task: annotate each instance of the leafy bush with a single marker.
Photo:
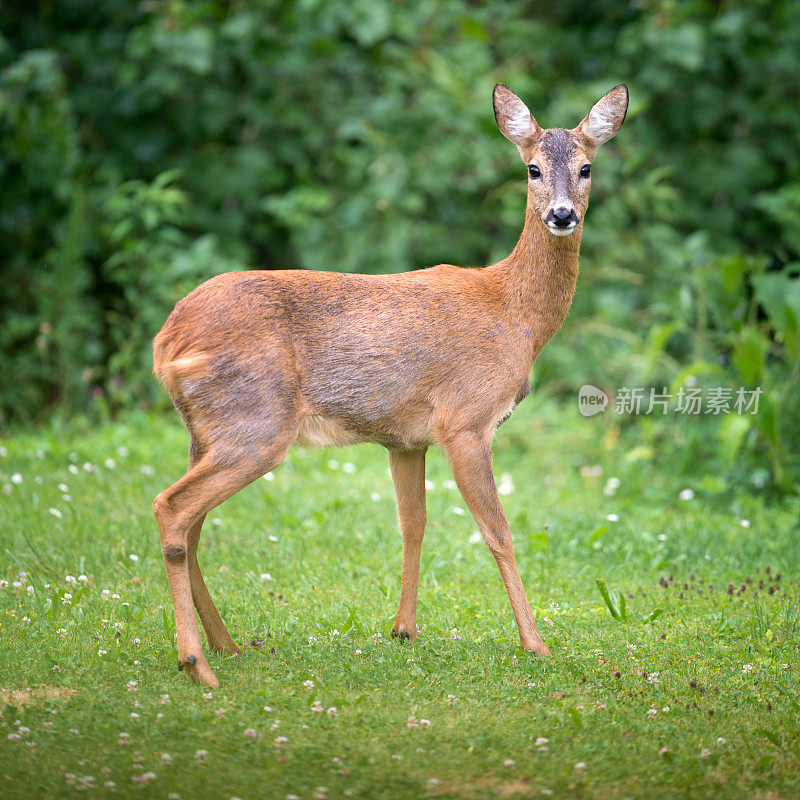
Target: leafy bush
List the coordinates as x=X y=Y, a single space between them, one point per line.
x=144 y=147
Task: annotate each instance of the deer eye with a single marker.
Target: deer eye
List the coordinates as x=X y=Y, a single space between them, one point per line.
x=534 y=171
x=586 y=171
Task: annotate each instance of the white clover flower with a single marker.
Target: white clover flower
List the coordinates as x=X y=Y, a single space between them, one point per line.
x=458 y=511
x=612 y=517
x=110 y=463
x=686 y=495
x=747 y=669
x=16 y=478
x=56 y=513
x=430 y=485
x=506 y=485
x=63 y=488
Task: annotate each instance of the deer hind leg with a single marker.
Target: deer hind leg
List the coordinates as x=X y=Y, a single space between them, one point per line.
x=223 y=470
x=408 y=474
x=471 y=460
x=219 y=640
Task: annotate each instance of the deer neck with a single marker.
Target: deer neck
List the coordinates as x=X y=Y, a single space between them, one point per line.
x=538 y=279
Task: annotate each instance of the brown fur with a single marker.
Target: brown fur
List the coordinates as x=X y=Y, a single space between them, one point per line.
x=256 y=361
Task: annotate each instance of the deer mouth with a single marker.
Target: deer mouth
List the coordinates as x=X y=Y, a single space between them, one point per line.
x=558 y=230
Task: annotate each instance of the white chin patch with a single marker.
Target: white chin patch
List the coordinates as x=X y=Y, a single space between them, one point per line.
x=561 y=231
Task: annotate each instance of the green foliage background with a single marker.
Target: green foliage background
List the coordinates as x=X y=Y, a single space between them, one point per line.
x=145 y=146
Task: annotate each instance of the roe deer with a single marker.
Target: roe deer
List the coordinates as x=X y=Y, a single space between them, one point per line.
x=257 y=361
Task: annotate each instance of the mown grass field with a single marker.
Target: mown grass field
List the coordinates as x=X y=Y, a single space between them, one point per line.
x=695 y=695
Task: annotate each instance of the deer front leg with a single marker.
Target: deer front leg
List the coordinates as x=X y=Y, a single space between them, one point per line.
x=470 y=457
x=408 y=474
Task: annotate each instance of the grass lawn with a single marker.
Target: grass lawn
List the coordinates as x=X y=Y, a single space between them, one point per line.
x=695 y=695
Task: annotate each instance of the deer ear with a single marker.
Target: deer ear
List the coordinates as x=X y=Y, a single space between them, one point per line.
x=516 y=123
x=606 y=116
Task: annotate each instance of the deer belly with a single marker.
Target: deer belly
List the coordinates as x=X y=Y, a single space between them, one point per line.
x=317 y=430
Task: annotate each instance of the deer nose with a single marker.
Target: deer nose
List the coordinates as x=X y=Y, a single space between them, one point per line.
x=563 y=217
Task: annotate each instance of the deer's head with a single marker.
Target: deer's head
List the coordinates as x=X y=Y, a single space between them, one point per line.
x=559 y=161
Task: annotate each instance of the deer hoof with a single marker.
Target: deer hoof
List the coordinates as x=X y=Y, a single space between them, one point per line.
x=402 y=635
x=192 y=660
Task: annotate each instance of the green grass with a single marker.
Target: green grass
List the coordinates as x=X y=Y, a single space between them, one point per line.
x=326 y=533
